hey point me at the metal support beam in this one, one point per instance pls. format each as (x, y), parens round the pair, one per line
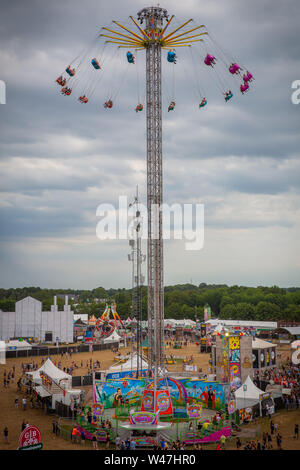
(154, 202)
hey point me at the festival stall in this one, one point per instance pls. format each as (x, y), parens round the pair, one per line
(113, 338)
(249, 396)
(51, 381)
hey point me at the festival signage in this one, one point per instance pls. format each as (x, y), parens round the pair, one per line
(267, 357)
(194, 410)
(46, 380)
(231, 407)
(225, 360)
(30, 439)
(140, 417)
(130, 391)
(262, 358)
(234, 362)
(255, 358)
(207, 313)
(157, 401)
(126, 373)
(273, 356)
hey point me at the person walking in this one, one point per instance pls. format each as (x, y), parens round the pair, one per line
(95, 442)
(132, 444)
(296, 431)
(107, 440)
(118, 443)
(24, 403)
(5, 434)
(54, 426)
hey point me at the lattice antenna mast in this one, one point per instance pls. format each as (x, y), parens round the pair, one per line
(137, 258)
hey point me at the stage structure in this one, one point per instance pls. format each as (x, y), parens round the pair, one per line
(152, 37)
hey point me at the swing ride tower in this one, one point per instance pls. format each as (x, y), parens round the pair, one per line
(152, 38)
(153, 17)
(152, 24)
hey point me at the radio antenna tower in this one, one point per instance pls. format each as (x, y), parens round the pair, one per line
(137, 258)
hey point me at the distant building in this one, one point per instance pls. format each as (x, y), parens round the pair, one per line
(28, 320)
(247, 326)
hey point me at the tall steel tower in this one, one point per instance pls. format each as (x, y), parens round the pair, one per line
(151, 37)
(153, 18)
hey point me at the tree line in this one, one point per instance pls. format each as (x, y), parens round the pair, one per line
(181, 301)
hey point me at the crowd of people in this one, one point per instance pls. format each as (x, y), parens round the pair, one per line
(287, 376)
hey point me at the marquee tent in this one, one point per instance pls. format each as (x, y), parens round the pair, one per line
(16, 344)
(53, 372)
(248, 390)
(130, 364)
(261, 344)
(248, 395)
(112, 338)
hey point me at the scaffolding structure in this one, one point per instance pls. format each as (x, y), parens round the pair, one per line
(137, 258)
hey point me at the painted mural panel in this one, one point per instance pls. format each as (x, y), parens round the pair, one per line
(113, 392)
(209, 394)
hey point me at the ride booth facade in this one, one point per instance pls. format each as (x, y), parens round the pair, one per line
(189, 407)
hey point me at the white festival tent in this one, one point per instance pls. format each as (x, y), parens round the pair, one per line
(62, 391)
(248, 395)
(130, 364)
(113, 338)
(56, 374)
(16, 344)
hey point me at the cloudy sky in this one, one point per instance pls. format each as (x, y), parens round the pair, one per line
(61, 159)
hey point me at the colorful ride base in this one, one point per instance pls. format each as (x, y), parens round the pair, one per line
(214, 436)
(89, 432)
(157, 401)
(145, 421)
(140, 417)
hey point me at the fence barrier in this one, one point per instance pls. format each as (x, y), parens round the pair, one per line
(50, 351)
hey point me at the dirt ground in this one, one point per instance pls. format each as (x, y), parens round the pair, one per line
(12, 417)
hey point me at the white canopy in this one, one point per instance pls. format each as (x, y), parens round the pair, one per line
(218, 329)
(42, 392)
(113, 337)
(52, 371)
(16, 344)
(130, 364)
(251, 392)
(261, 344)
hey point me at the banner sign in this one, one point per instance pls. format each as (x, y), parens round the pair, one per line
(30, 439)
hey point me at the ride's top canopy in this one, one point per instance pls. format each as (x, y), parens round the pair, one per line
(130, 364)
(52, 371)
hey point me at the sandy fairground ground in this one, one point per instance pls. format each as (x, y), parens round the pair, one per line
(13, 417)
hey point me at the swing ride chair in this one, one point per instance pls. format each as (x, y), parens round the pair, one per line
(157, 33)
